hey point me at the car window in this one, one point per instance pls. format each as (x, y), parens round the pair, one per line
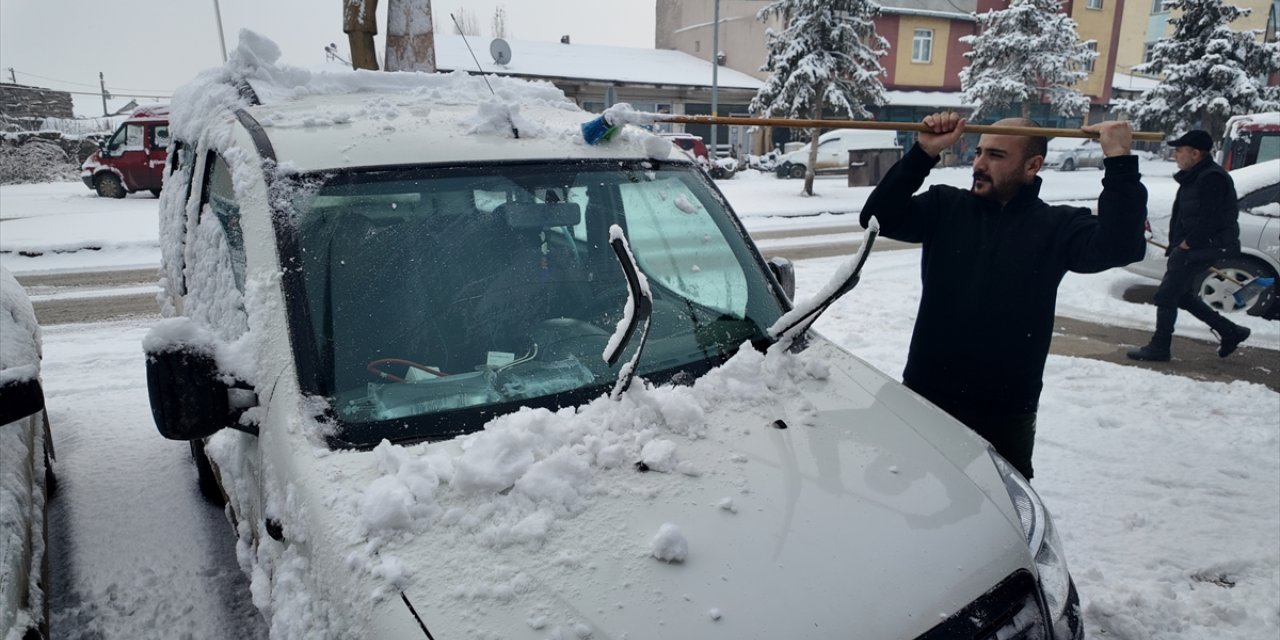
(438, 295)
(1268, 148)
(1263, 202)
(223, 204)
(126, 138)
(682, 248)
(160, 136)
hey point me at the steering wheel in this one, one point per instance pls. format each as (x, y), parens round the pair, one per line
(373, 368)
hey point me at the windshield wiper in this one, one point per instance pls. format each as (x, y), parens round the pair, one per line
(639, 308)
(799, 319)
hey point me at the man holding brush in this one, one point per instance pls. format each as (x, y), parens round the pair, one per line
(992, 258)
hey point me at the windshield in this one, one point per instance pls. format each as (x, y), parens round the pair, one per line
(440, 297)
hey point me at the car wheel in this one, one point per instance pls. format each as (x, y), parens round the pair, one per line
(1218, 289)
(155, 192)
(108, 186)
(206, 477)
(1069, 165)
(796, 171)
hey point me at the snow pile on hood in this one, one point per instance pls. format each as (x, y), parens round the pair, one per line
(19, 333)
(516, 484)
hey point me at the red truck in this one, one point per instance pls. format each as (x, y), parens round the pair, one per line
(133, 158)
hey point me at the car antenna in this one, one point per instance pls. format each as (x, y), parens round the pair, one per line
(514, 130)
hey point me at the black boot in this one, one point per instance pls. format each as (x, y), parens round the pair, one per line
(1158, 349)
(1155, 351)
(1231, 338)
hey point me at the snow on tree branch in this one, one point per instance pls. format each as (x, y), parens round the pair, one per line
(1026, 54)
(1210, 72)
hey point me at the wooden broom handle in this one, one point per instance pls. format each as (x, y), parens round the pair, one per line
(1000, 130)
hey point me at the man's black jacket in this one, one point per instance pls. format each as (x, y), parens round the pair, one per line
(1205, 213)
(991, 275)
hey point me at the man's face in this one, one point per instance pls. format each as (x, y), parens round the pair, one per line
(1187, 157)
(1000, 168)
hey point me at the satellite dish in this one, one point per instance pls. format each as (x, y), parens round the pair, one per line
(500, 50)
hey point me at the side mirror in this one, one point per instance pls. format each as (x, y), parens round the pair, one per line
(785, 272)
(20, 399)
(189, 400)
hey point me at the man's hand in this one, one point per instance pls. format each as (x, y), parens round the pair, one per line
(946, 128)
(1115, 136)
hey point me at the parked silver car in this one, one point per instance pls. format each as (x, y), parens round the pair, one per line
(1069, 154)
(26, 476)
(1258, 193)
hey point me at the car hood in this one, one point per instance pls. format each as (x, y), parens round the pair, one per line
(871, 513)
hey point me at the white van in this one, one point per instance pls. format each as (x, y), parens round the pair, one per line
(833, 151)
(458, 374)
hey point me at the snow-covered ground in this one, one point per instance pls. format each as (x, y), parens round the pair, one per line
(1165, 489)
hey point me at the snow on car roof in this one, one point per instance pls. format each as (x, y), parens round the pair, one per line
(326, 118)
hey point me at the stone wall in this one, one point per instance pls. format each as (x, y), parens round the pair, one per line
(20, 102)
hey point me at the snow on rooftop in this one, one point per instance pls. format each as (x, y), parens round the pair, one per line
(589, 62)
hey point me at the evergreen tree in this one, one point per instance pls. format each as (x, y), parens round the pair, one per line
(827, 56)
(1025, 54)
(1210, 72)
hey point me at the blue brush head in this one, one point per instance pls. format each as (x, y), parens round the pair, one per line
(597, 129)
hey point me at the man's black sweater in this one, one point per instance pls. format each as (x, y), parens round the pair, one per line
(990, 277)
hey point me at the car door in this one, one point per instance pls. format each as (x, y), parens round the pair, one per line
(1091, 154)
(157, 152)
(1260, 221)
(832, 154)
(126, 151)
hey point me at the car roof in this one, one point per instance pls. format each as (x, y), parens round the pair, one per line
(331, 118)
(320, 132)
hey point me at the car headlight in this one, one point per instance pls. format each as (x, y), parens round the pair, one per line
(1042, 539)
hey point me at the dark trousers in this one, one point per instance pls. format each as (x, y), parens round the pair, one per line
(1177, 291)
(1012, 436)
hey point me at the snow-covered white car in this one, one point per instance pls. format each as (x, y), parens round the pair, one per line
(1258, 198)
(461, 375)
(26, 471)
(1069, 154)
(833, 151)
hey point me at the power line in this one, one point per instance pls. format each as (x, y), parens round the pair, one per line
(81, 84)
(91, 93)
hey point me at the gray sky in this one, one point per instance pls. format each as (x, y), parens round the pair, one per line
(150, 47)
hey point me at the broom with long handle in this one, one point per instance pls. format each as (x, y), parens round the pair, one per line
(601, 128)
(1000, 130)
(1244, 290)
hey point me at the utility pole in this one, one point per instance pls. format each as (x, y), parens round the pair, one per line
(715, 77)
(222, 41)
(102, 81)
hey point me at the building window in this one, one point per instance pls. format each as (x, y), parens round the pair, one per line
(1157, 6)
(922, 46)
(1093, 4)
(1148, 51)
(1092, 46)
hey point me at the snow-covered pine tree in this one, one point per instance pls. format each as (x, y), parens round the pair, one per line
(1210, 72)
(826, 56)
(1025, 54)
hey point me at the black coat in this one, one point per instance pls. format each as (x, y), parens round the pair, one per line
(991, 276)
(1205, 212)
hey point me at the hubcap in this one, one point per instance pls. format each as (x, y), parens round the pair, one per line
(1219, 293)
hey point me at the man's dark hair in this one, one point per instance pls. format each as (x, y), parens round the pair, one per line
(1036, 145)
